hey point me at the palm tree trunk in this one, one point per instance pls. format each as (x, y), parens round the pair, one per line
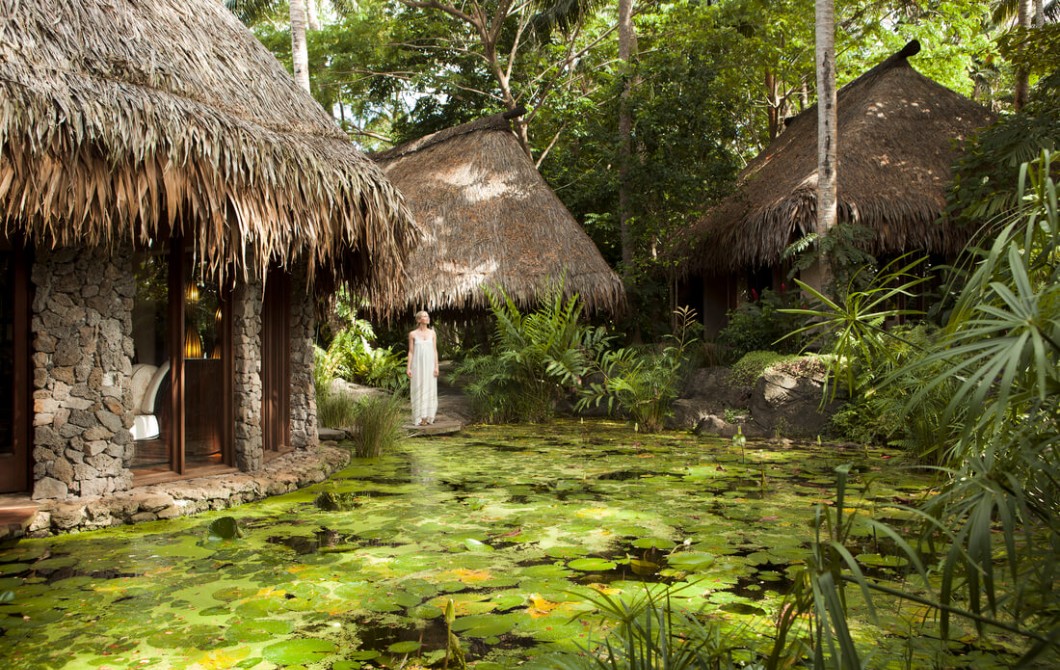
(627, 43)
(826, 133)
(299, 51)
(1025, 11)
(312, 17)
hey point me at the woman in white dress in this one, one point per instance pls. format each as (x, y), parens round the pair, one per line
(423, 371)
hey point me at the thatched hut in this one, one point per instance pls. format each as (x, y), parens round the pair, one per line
(898, 136)
(490, 220)
(169, 200)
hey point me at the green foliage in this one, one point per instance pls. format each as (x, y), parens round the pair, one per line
(843, 249)
(1002, 340)
(761, 325)
(751, 366)
(994, 525)
(536, 358)
(379, 425)
(644, 384)
(851, 328)
(351, 356)
(651, 633)
(881, 412)
(990, 162)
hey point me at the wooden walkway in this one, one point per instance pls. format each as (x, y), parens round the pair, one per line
(16, 513)
(442, 425)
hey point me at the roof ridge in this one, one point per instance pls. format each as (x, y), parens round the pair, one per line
(499, 121)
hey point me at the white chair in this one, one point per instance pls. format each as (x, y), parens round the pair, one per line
(145, 384)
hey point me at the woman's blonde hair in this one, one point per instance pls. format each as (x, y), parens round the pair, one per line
(420, 313)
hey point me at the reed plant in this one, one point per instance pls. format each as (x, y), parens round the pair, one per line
(379, 425)
(651, 633)
(335, 409)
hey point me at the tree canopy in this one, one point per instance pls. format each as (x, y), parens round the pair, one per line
(710, 83)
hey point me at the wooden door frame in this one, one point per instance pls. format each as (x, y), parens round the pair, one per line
(176, 439)
(276, 361)
(21, 458)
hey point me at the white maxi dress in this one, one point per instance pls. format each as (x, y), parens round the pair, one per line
(424, 391)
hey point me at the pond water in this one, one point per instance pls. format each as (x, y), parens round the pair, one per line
(512, 523)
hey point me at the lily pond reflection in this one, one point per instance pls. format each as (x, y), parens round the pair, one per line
(509, 522)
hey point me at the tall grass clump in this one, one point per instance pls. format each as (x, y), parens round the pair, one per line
(378, 425)
(334, 409)
(652, 633)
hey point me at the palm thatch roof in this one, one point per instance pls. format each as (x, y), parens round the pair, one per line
(491, 220)
(897, 134)
(133, 120)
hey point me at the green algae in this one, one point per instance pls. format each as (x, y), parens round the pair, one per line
(511, 523)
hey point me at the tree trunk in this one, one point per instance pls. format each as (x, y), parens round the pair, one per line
(299, 51)
(826, 134)
(312, 17)
(1019, 94)
(627, 44)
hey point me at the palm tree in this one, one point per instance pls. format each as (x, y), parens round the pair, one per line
(817, 276)
(299, 50)
(627, 45)
(252, 11)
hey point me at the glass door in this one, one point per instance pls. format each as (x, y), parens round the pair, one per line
(205, 354)
(181, 382)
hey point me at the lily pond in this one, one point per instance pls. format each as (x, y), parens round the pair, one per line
(514, 524)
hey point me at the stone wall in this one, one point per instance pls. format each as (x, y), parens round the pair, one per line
(303, 393)
(82, 368)
(246, 349)
(83, 347)
(187, 496)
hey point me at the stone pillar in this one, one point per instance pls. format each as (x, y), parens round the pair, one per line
(303, 393)
(246, 349)
(82, 365)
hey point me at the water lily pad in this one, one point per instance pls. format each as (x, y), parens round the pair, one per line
(878, 561)
(654, 543)
(13, 568)
(690, 560)
(566, 552)
(258, 630)
(406, 647)
(485, 626)
(299, 650)
(592, 564)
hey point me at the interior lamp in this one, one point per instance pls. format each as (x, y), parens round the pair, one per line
(192, 343)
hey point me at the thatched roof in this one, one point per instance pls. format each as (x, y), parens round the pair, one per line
(129, 120)
(897, 131)
(491, 220)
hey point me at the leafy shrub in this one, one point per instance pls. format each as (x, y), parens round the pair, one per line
(536, 358)
(761, 325)
(644, 384)
(992, 528)
(881, 413)
(351, 356)
(379, 423)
